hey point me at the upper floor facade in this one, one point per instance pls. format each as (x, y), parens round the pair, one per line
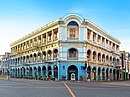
(68, 38)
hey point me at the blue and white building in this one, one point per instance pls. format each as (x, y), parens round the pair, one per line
(71, 47)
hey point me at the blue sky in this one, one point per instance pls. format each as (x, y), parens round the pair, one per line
(20, 17)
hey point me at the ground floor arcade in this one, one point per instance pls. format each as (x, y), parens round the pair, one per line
(67, 71)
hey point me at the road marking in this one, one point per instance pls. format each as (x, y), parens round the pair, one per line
(70, 91)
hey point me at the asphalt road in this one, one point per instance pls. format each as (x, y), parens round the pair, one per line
(33, 88)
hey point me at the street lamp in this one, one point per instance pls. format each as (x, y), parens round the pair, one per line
(8, 68)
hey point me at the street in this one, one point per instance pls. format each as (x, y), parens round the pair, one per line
(36, 88)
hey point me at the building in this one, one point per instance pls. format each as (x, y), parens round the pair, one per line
(4, 63)
(125, 62)
(70, 47)
(1, 66)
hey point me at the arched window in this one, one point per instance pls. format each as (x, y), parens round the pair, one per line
(72, 30)
(72, 53)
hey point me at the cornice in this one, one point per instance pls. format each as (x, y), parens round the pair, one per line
(100, 30)
(43, 28)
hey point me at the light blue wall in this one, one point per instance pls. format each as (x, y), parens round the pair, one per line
(63, 33)
(65, 71)
(82, 34)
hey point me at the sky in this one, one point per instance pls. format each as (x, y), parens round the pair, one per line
(20, 17)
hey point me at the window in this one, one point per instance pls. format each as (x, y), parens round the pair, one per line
(72, 53)
(72, 30)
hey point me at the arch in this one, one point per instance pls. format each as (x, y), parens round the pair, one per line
(35, 71)
(94, 56)
(89, 72)
(99, 73)
(55, 71)
(55, 53)
(94, 73)
(72, 23)
(44, 56)
(44, 71)
(114, 61)
(72, 69)
(107, 74)
(27, 70)
(35, 57)
(118, 61)
(110, 74)
(18, 60)
(39, 71)
(114, 74)
(27, 58)
(103, 73)
(76, 17)
(118, 74)
(72, 54)
(18, 71)
(24, 59)
(111, 60)
(39, 56)
(99, 57)
(49, 54)
(89, 54)
(49, 71)
(107, 59)
(23, 71)
(30, 58)
(30, 73)
(72, 30)
(103, 58)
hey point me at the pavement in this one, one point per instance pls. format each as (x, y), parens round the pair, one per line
(38, 88)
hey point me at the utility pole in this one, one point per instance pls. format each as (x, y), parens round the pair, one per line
(8, 69)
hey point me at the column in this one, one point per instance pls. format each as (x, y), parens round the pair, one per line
(52, 57)
(91, 36)
(52, 71)
(105, 78)
(105, 42)
(96, 73)
(101, 57)
(96, 38)
(101, 74)
(52, 37)
(41, 39)
(41, 56)
(91, 55)
(101, 40)
(96, 57)
(108, 44)
(86, 34)
(46, 38)
(91, 74)
(59, 33)
(112, 74)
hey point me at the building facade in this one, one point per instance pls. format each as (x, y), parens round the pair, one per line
(70, 47)
(4, 63)
(125, 68)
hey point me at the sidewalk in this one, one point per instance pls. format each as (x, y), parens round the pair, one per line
(116, 83)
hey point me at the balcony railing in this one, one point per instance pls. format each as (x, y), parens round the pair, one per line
(72, 58)
(72, 38)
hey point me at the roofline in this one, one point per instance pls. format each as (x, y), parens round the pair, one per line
(115, 39)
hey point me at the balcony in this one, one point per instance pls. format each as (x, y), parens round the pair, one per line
(72, 58)
(36, 44)
(89, 40)
(72, 38)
